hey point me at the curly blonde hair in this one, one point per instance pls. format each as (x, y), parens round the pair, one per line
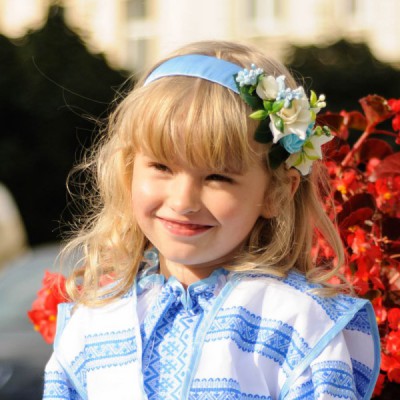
(218, 134)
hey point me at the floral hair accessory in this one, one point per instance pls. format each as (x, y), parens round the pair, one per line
(287, 118)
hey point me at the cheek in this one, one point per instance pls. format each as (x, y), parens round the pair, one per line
(143, 197)
(237, 211)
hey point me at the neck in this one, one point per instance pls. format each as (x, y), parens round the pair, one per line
(186, 274)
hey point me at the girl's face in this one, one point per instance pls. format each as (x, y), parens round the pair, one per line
(196, 218)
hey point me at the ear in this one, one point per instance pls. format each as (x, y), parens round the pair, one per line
(294, 177)
(270, 210)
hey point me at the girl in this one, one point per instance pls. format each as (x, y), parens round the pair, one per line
(206, 212)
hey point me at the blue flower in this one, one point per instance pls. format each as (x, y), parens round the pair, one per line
(249, 77)
(288, 94)
(292, 143)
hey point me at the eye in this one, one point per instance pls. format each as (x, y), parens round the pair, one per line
(159, 167)
(219, 178)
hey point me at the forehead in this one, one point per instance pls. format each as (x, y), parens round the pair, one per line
(194, 121)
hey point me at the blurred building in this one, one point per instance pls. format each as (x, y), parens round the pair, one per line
(134, 33)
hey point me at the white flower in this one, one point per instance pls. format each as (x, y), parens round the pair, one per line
(267, 88)
(296, 118)
(311, 151)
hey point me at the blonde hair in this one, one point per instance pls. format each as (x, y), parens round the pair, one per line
(214, 124)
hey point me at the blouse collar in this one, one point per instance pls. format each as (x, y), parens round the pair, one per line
(197, 293)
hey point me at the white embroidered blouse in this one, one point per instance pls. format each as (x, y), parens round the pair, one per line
(230, 336)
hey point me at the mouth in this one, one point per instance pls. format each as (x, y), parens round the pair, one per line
(183, 228)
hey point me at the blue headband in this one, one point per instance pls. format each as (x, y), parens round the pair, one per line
(198, 66)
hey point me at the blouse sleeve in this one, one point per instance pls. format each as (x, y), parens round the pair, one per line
(56, 383)
(347, 366)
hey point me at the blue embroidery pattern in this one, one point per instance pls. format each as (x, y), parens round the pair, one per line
(220, 389)
(362, 376)
(334, 378)
(167, 355)
(360, 322)
(329, 377)
(273, 339)
(105, 350)
(168, 332)
(334, 307)
(303, 392)
(56, 387)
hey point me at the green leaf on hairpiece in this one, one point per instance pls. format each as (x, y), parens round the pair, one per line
(263, 132)
(326, 130)
(277, 155)
(308, 145)
(252, 100)
(260, 114)
(267, 105)
(312, 158)
(299, 160)
(313, 98)
(277, 106)
(279, 124)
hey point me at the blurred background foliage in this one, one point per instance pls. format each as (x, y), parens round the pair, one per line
(345, 72)
(52, 91)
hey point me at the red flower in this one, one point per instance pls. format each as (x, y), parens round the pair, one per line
(391, 365)
(43, 313)
(379, 385)
(394, 318)
(395, 107)
(393, 344)
(380, 310)
(347, 182)
(394, 104)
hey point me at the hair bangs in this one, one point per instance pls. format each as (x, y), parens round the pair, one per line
(196, 122)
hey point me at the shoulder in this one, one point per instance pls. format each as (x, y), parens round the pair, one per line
(294, 298)
(83, 320)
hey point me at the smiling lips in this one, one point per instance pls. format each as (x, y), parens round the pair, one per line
(181, 228)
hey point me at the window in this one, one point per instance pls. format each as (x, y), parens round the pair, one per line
(137, 53)
(137, 9)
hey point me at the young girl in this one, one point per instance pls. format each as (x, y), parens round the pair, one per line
(206, 210)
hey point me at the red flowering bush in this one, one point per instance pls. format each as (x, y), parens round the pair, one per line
(43, 313)
(364, 171)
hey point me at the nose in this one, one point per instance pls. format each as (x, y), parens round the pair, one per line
(184, 195)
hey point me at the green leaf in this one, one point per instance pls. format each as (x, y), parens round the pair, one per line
(263, 133)
(268, 105)
(277, 155)
(326, 130)
(260, 114)
(308, 145)
(318, 131)
(277, 106)
(252, 100)
(299, 160)
(279, 124)
(312, 158)
(313, 98)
